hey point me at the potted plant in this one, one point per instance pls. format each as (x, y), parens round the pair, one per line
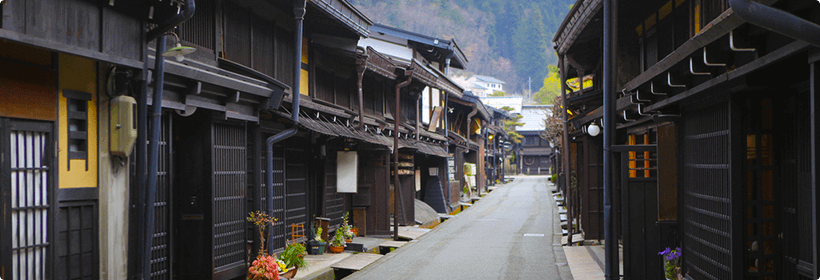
(317, 244)
(345, 228)
(265, 267)
(337, 244)
(671, 263)
(293, 258)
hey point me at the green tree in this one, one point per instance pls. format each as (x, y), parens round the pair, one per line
(551, 87)
(511, 124)
(498, 93)
(530, 41)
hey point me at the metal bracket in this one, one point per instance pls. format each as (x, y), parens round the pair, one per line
(640, 110)
(707, 63)
(735, 48)
(652, 89)
(638, 96)
(626, 118)
(669, 81)
(692, 69)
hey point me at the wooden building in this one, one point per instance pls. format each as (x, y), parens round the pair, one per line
(435, 178)
(534, 152)
(716, 132)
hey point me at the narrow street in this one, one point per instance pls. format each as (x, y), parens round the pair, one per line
(508, 234)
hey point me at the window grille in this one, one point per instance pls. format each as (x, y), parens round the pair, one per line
(30, 184)
(199, 30)
(707, 192)
(77, 123)
(229, 174)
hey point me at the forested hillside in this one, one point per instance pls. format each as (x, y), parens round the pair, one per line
(508, 39)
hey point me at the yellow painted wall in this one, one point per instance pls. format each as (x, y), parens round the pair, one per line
(76, 73)
(304, 82)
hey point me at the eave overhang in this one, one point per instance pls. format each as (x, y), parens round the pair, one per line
(344, 12)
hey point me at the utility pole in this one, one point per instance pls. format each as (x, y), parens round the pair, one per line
(529, 84)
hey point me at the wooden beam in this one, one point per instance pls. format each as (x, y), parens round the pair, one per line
(64, 48)
(741, 71)
(634, 148)
(719, 27)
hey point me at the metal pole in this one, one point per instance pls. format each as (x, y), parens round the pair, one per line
(815, 156)
(153, 154)
(565, 153)
(612, 270)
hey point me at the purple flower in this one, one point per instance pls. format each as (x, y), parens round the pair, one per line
(673, 255)
(664, 252)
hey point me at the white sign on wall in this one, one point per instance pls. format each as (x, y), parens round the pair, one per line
(347, 171)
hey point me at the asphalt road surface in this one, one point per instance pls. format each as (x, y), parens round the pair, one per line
(511, 233)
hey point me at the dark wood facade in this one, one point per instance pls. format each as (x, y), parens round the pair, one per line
(714, 158)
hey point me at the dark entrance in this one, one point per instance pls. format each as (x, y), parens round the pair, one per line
(211, 160)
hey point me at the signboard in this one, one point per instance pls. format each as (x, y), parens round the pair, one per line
(347, 171)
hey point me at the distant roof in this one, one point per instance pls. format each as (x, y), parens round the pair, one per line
(446, 47)
(489, 79)
(533, 117)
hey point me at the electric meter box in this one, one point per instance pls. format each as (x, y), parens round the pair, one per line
(123, 125)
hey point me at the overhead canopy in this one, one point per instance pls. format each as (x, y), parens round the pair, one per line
(195, 85)
(378, 63)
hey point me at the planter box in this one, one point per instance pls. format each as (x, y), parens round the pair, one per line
(316, 248)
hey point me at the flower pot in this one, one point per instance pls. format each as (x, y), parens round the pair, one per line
(355, 231)
(290, 273)
(316, 248)
(337, 249)
(350, 240)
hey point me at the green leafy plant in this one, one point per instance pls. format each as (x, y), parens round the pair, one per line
(294, 255)
(345, 228)
(317, 235)
(338, 238)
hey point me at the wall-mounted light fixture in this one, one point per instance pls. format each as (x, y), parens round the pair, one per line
(179, 51)
(593, 129)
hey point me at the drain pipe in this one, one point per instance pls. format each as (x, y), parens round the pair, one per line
(299, 11)
(777, 20)
(447, 148)
(156, 118)
(568, 195)
(396, 119)
(612, 271)
(466, 151)
(360, 69)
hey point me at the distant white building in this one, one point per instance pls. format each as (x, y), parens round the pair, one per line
(499, 102)
(484, 86)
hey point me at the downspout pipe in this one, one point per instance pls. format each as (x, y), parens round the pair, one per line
(777, 20)
(396, 187)
(469, 123)
(612, 270)
(156, 118)
(360, 69)
(565, 153)
(187, 13)
(447, 148)
(418, 117)
(299, 9)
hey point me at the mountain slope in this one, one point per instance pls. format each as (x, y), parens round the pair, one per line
(508, 39)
